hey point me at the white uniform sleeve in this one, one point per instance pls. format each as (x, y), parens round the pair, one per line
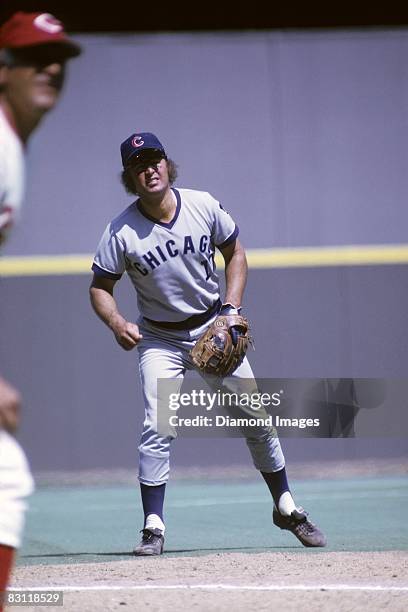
(110, 260)
(11, 187)
(225, 230)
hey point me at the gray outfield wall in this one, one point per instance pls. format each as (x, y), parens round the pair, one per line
(83, 403)
(302, 137)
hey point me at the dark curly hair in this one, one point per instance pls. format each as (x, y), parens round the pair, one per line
(127, 180)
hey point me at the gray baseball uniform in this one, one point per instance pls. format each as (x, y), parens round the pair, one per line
(171, 266)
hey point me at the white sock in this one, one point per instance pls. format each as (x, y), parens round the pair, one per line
(286, 504)
(153, 521)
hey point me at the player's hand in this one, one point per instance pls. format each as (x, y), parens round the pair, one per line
(10, 403)
(127, 334)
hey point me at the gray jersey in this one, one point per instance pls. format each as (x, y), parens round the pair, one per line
(171, 265)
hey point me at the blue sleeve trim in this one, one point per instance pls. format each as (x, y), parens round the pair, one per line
(230, 239)
(100, 272)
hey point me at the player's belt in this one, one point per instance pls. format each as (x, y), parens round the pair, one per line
(190, 323)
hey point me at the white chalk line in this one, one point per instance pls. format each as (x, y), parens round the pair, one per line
(216, 587)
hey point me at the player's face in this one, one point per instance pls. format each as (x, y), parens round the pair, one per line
(150, 174)
(33, 80)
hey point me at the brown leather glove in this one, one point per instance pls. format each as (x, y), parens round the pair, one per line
(223, 346)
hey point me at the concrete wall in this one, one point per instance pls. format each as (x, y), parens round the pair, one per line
(301, 136)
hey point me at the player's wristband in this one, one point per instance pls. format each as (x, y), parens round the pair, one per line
(229, 308)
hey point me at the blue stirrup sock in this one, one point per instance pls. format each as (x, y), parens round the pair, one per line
(153, 500)
(278, 486)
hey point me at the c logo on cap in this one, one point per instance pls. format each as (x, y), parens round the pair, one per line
(48, 23)
(137, 141)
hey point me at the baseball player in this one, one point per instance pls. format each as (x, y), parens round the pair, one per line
(33, 52)
(165, 241)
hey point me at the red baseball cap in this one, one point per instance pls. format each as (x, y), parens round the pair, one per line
(33, 29)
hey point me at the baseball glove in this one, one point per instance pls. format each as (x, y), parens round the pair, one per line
(223, 346)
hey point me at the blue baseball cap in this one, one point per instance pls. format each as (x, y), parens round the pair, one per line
(136, 143)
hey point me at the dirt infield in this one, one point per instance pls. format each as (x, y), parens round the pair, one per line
(310, 581)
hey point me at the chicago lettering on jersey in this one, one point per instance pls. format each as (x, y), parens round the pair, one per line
(161, 253)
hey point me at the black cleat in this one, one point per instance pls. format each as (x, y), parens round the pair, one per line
(151, 544)
(298, 523)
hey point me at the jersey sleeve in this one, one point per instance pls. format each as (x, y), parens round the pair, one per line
(109, 260)
(11, 190)
(225, 229)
